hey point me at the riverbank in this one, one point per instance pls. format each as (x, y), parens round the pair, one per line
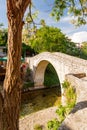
(36, 100)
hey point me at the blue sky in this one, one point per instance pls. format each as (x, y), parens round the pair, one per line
(44, 7)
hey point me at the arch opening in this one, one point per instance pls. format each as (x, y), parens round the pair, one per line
(46, 76)
(50, 77)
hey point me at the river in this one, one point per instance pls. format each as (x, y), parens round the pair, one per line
(33, 101)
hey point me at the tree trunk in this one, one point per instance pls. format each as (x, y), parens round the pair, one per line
(1, 112)
(12, 80)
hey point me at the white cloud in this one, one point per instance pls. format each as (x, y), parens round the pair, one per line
(79, 37)
(65, 19)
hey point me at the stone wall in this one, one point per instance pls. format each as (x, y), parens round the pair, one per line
(77, 119)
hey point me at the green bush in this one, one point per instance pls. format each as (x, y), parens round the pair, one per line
(65, 84)
(61, 111)
(38, 127)
(53, 124)
(69, 92)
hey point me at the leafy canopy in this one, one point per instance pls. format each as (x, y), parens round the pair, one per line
(53, 40)
(3, 36)
(76, 8)
(84, 48)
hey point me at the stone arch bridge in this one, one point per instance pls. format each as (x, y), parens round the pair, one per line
(63, 64)
(75, 70)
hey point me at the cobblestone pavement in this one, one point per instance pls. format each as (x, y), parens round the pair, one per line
(40, 117)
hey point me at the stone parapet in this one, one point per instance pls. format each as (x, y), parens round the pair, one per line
(77, 119)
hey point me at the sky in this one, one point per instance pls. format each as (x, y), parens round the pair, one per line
(44, 7)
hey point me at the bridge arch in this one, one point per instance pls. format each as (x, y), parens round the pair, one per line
(63, 64)
(40, 73)
(38, 66)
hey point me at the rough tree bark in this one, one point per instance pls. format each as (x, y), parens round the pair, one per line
(12, 83)
(1, 112)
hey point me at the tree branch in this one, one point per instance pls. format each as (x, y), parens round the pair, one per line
(81, 7)
(30, 14)
(24, 5)
(16, 7)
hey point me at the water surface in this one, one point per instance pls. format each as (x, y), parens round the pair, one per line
(39, 100)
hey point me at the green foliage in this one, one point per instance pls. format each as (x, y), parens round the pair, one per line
(30, 17)
(53, 124)
(3, 37)
(37, 127)
(53, 40)
(42, 22)
(65, 84)
(84, 49)
(26, 49)
(1, 24)
(69, 93)
(78, 9)
(28, 85)
(63, 111)
(50, 78)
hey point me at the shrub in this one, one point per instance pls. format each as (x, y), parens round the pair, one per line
(65, 84)
(53, 124)
(61, 111)
(38, 127)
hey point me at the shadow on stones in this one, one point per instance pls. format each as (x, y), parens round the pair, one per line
(79, 106)
(64, 127)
